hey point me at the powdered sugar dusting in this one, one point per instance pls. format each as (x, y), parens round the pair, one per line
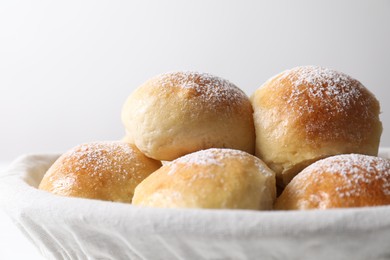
(355, 169)
(330, 105)
(98, 158)
(333, 89)
(211, 156)
(210, 88)
(101, 155)
(215, 156)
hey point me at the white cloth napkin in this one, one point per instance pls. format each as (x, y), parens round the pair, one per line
(73, 228)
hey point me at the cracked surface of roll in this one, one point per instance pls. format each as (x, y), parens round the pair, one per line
(99, 170)
(340, 181)
(308, 113)
(177, 113)
(212, 178)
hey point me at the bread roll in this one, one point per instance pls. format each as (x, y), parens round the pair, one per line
(99, 170)
(308, 113)
(212, 178)
(177, 113)
(341, 181)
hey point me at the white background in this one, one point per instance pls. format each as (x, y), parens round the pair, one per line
(66, 67)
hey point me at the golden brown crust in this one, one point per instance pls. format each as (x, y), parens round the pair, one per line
(213, 178)
(340, 181)
(100, 170)
(308, 113)
(177, 113)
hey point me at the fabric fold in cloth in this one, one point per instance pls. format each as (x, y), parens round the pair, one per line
(74, 228)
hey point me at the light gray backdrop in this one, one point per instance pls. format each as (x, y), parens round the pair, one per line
(66, 67)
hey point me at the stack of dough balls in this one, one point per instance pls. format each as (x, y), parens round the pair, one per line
(170, 116)
(314, 132)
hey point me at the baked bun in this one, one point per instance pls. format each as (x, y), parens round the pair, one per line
(213, 178)
(99, 170)
(341, 181)
(308, 113)
(177, 113)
